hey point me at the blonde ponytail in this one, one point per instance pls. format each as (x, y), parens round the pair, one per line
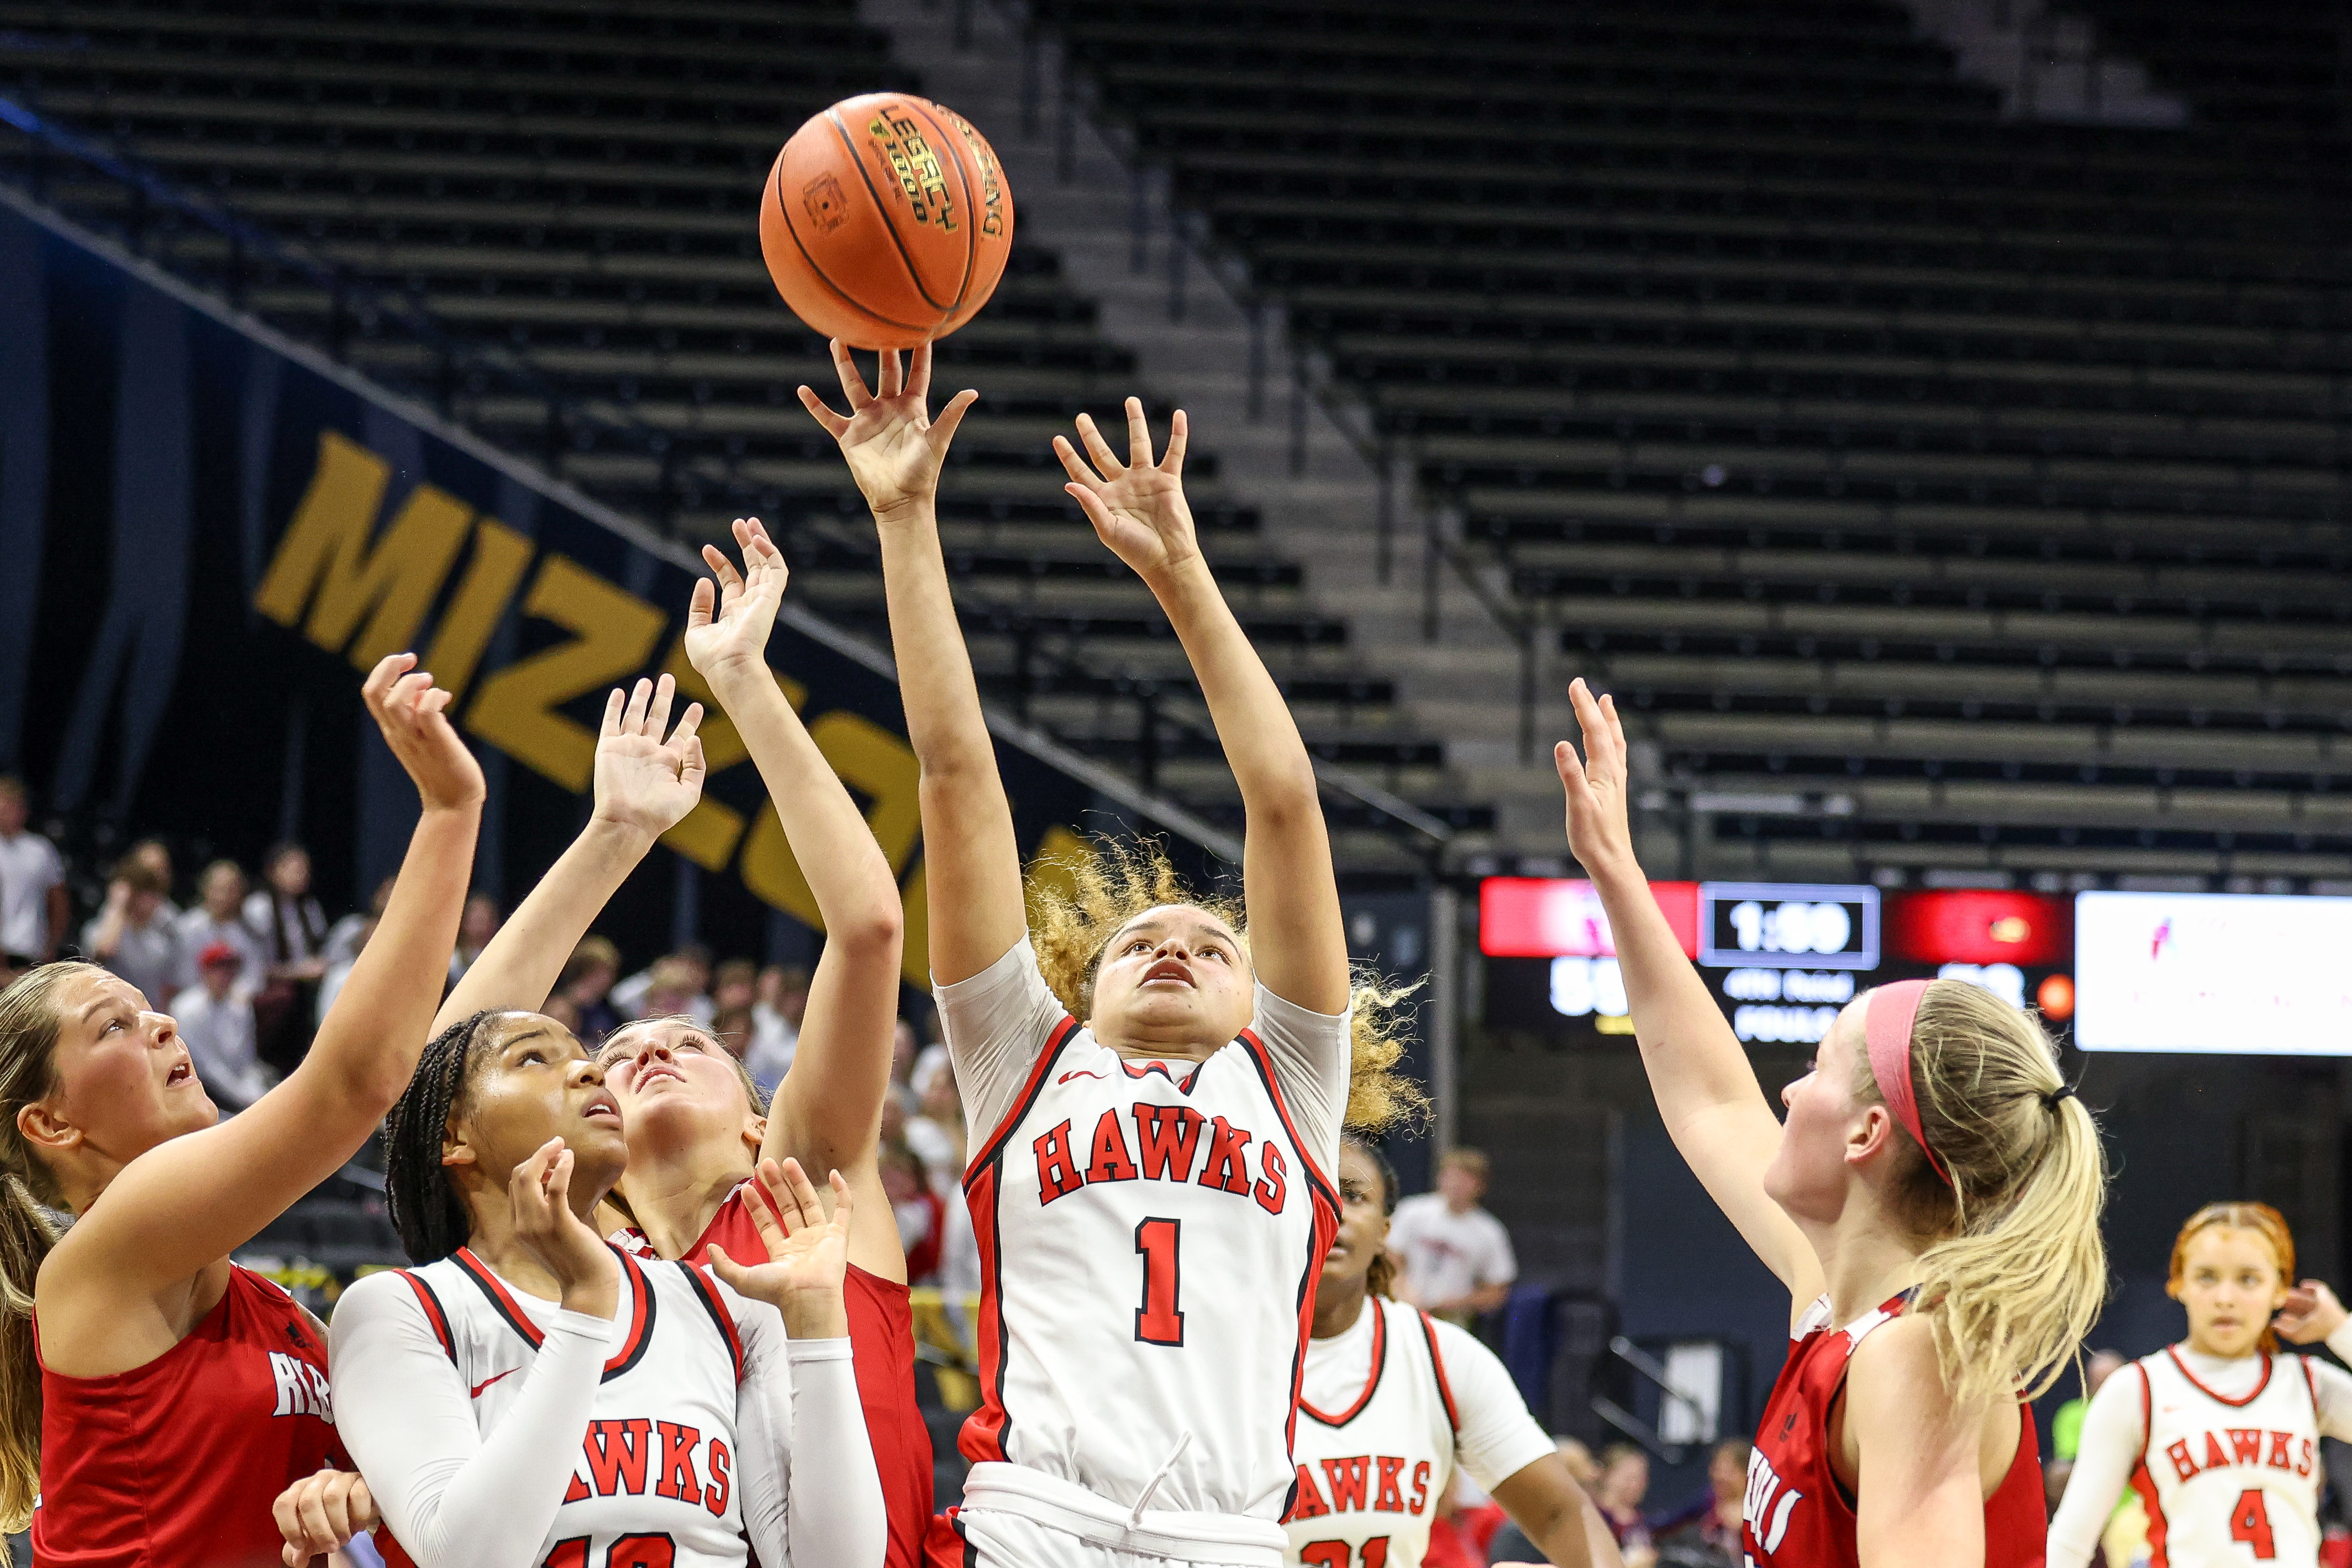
(28, 1040)
(2017, 1272)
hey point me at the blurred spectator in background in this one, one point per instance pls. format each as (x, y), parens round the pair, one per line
(132, 936)
(476, 924)
(216, 1019)
(156, 856)
(34, 914)
(733, 1027)
(344, 937)
(780, 999)
(922, 1217)
(674, 990)
(2066, 1426)
(1579, 1461)
(566, 1012)
(1704, 1533)
(1458, 1261)
(331, 985)
(292, 929)
(217, 918)
(734, 983)
(692, 961)
(587, 983)
(936, 1131)
(1625, 1482)
(905, 1046)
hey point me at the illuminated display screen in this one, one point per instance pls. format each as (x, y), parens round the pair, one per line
(1559, 917)
(2239, 973)
(1820, 926)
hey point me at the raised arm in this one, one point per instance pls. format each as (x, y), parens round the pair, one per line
(829, 1106)
(1706, 1091)
(1297, 941)
(972, 859)
(644, 787)
(189, 1202)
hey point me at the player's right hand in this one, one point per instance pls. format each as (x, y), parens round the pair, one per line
(320, 1513)
(727, 628)
(587, 1272)
(2312, 1314)
(1599, 830)
(643, 781)
(894, 448)
(413, 714)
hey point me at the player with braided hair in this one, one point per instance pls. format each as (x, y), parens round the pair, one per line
(1393, 1400)
(142, 1318)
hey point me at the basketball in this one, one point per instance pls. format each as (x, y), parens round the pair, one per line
(886, 221)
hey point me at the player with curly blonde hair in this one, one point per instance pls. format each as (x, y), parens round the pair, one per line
(1157, 1101)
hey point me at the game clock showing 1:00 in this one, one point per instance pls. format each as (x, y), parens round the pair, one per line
(1833, 926)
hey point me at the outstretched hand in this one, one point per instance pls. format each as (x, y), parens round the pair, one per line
(1599, 830)
(808, 1254)
(727, 628)
(643, 781)
(894, 446)
(1138, 507)
(413, 714)
(587, 1271)
(2312, 1314)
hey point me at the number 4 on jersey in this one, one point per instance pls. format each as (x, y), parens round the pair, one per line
(2250, 1523)
(1334, 1554)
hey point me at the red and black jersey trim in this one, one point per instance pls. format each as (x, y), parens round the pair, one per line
(1030, 1089)
(1372, 1382)
(2269, 1364)
(1323, 1204)
(1437, 1365)
(1262, 1060)
(641, 1300)
(707, 1290)
(433, 1314)
(1145, 1069)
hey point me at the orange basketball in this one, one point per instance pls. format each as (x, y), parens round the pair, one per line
(886, 221)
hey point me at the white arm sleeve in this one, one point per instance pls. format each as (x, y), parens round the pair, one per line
(1313, 1055)
(1497, 1437)
(812, 1495)
(2113, 1431)
(2333, 1385)
(454, 1498)
(996, 1022)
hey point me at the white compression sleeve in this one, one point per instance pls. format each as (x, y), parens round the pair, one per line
(2112, 1431)
(812, 1495)
(452, 1498)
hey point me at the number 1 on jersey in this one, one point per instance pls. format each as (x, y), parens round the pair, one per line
(1159, 1321)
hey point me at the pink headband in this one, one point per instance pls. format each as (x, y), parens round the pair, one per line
(1887, 1026)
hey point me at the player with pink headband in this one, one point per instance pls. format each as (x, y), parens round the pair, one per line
(1932, 1204)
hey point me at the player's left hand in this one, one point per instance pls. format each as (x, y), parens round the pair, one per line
(320, 1513)
(808, 1254)
(2312, 1314)
(732, 634)
(644, 783)
(1138, 507)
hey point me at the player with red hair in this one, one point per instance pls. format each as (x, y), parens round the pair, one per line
(2219, 1433)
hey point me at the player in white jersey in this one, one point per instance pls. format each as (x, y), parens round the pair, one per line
(532, 1395)
(1158, 1101)
(2219, 1433)
(1393, 1400)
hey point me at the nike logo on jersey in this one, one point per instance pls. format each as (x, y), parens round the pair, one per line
(1349, 1481)
(301, 1388)
(1169, 1142)
(1768, 1503)
(624, 1455)
(2245, 1446)
(491, 1379)
(1081, 1072)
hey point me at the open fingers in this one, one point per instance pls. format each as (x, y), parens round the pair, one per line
(843, 1204)
(889, 374)
(918, 370)
(614, 699)
(1139, 435)
(691, 769)
(687, 724)
(1092, 505)
(943, 428)
(697, 609)
(1072, 464)
(771, 1230)
(833, 423)
(852, 385)
(721, 568)
(1569, 765)
(657, 716)
(1179, 430)
(1098, 449)
(633, 717)
(1616, 724)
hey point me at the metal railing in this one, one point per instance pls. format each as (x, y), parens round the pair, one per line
(1649, 1369)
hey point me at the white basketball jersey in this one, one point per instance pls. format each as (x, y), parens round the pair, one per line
(1149, 1238)
(1373, 1473)
(2229, 1482)
(656, 1482)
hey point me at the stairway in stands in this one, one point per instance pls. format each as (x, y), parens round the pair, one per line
(573, 184)
(1940, 494)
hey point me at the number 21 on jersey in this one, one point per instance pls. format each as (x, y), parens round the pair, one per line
(1374, 1554)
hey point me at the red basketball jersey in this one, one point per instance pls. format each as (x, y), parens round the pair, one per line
(882, 1345)
(1799, 1516)
(178, 1461)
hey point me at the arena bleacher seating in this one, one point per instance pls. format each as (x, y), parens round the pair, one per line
(573, 185)
(1936, 492)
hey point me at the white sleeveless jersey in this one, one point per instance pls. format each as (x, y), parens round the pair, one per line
(1150, 1237)
(655, 1485)
(2229, 1482)
(1380, 1428)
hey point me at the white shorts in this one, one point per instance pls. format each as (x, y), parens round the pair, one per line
(1015, 1518)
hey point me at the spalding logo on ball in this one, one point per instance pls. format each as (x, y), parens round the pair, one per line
(886, 221)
